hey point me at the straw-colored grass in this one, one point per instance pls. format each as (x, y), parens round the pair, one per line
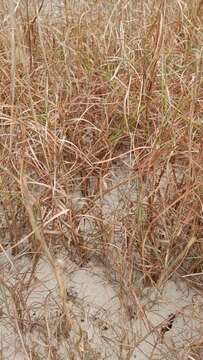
(87, 86)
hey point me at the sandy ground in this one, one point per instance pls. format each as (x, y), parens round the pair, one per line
(106, 330)
(160, 325)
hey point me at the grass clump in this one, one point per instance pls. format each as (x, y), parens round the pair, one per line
(102, 102)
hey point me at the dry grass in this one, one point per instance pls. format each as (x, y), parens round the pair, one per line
(94, 85)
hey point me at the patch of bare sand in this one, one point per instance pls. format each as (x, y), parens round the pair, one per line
(170, 321)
